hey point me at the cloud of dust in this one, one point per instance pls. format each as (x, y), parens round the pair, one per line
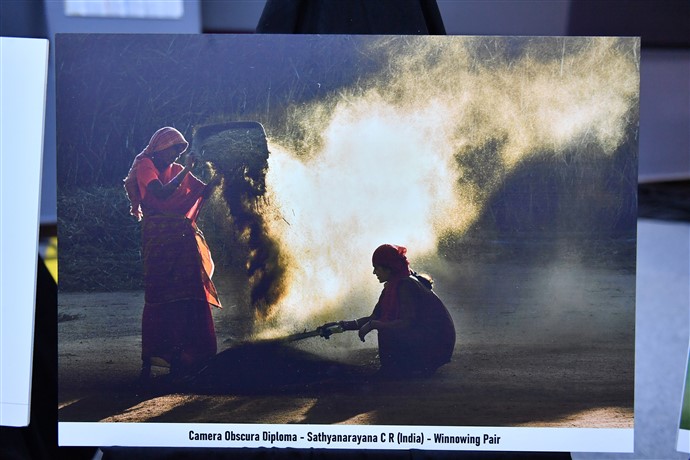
(385, 165)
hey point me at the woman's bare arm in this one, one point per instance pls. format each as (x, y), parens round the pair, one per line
(163, 191)
(407, 314)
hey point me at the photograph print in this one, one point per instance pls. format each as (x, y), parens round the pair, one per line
(346, 233)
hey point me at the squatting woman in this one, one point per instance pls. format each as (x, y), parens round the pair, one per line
(416, 333)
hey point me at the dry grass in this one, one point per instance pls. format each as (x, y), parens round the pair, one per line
(99, 241)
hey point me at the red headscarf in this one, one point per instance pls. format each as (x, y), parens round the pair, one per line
(391, 257)
(162, 139)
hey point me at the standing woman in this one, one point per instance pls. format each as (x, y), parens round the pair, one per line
(415, 331)
(177, 325)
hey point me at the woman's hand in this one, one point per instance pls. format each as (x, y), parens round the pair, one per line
(367, 328)
(215, 181)
(325, 330)
(348, 325)
(189, 161)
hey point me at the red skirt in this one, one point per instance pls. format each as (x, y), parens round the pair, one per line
(177, 323)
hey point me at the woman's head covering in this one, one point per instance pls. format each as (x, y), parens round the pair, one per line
(162, 139)
(392, 257)
(165, 138)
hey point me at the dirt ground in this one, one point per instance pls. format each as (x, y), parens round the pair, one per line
(538, 345)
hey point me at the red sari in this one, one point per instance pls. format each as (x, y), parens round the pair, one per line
(177, 324)
(425, 337)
